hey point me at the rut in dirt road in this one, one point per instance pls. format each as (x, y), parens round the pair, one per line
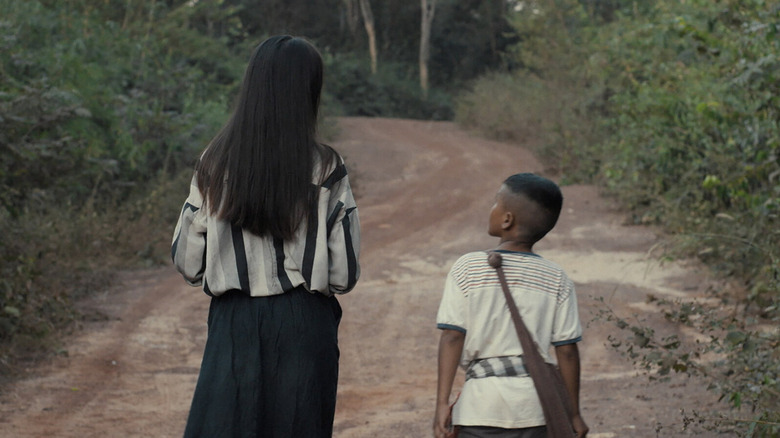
(424, 191)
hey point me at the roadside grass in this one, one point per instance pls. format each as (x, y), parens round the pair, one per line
(53, 257)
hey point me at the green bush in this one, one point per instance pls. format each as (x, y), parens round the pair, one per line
(506, 107)
(89, 107)
(545, 115)
(97, 115)
(694, 140)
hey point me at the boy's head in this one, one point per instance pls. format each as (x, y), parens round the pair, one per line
(527, 206)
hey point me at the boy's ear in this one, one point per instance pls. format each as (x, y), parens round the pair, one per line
(508, 221)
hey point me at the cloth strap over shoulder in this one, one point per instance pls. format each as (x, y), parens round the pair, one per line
(556, 404)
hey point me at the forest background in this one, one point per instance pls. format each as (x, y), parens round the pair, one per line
(671, 106)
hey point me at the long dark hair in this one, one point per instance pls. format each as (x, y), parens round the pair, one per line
(257, 172)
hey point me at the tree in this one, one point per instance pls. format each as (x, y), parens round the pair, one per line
(352, 12)
(428, 8)
(318, 21)
(469, 39)
(368, 22)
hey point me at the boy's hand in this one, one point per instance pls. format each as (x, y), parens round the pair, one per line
(580, 428)
(450, 348)
(442, 423)
(569, 363)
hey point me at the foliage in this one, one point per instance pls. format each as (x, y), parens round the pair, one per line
(673, 107)
(393, 92)
(467, 37)
(505, 107)
(322, 21)
(95, 111)
(695, 137)
(547, 94)
(739, 358)
(55, 256)
(523, 107)
(75, 127)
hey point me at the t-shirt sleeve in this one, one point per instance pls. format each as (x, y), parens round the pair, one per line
(566, 327)
(453, 307)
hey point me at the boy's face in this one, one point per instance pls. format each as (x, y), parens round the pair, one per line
(497, 214)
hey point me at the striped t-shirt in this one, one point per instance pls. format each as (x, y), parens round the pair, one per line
(323, 257)
(474, 304)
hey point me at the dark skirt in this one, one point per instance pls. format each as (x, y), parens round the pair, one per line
(270, 367)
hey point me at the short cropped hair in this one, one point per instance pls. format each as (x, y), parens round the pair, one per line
(545, 194)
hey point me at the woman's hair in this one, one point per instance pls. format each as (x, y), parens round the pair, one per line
(257, 172)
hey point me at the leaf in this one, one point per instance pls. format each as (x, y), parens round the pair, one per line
(654, 356)
(736, 399)
(641, 340)
(13, 311)
(672, 345)
(82, 112)
(735, 337)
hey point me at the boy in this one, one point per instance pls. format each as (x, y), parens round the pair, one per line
(499, 398)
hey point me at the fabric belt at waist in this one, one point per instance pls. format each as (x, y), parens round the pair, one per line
(506, 366)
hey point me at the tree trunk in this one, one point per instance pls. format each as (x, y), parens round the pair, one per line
(428, 8)
(352, 11)
(368, 21)
(491, 15)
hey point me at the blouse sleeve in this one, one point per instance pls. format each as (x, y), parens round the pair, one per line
(343, 227)
(188, 249)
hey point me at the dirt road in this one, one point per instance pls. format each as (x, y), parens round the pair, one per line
(424, 190)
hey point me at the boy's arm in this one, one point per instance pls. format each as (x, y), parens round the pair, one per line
(568, 356)
(450, 349)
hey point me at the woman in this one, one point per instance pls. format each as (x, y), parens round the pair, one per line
(270, 230)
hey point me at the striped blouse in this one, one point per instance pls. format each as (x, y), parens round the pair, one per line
(324, 258)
